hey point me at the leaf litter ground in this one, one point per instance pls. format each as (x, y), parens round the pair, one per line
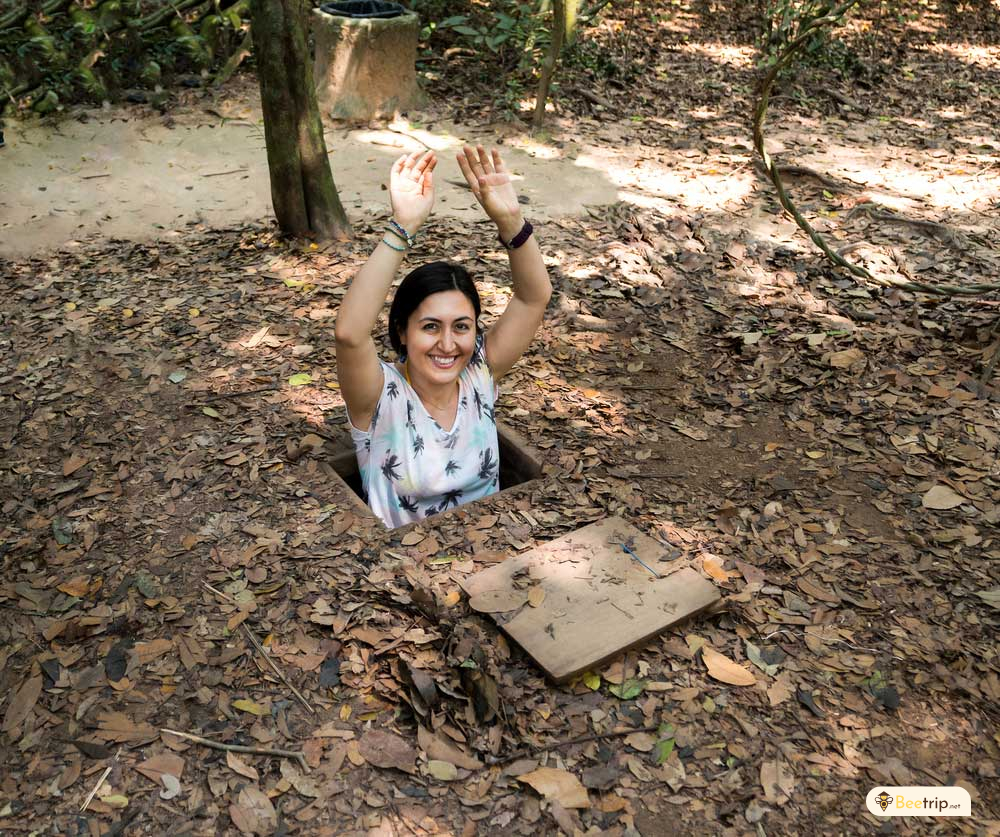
(825, 454)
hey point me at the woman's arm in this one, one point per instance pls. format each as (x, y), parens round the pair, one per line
(513, 332)
(411, 192)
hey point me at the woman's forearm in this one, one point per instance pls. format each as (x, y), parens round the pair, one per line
(366, 295)
(527, 268)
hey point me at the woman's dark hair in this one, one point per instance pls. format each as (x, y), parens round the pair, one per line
(419, 284)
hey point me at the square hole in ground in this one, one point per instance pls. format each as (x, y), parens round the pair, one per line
(520, 466)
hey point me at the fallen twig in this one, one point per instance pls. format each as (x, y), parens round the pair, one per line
(267, 657)
(261, 650)
(219, 593)
(239, 748)
(837, 96)
(222, 395)
(221, 173)
(97, 787)
(582, 739)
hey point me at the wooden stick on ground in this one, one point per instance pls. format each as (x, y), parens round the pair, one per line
(97, 787)
(239, 748)
(582, 739)
(260, 650)
(267, 657)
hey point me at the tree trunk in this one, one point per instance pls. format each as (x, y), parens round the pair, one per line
(549, 66)
(302, 189)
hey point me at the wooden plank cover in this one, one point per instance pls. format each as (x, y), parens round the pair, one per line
(598, 600)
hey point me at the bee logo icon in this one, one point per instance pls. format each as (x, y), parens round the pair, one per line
(883, 800)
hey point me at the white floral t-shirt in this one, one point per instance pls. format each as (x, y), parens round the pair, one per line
(410, 466)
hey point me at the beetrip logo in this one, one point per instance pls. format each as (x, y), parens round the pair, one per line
(919, 802)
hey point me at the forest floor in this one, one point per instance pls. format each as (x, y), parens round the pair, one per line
(826, 451)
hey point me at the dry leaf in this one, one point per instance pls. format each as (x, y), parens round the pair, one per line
(385, 749)
(249, 706)
(641, 741)
(239, 766)
(437, 748)
(253, 812)
(74, 464)
(713, 567)
(443, 770)
(22, 702)
(165, 763)
(78, 586)
(553, 783)
(942, 498)
(536, 595)
(498, 601)
(171, 786)
(725, 670)
(412, 538)
(846, 358)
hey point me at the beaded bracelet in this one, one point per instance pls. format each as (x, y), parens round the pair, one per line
(397, 228)
(392, 246)
(399, 235)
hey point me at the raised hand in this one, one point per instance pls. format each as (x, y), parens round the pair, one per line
(491, 184)
(411, 188)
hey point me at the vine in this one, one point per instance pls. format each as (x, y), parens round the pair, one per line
(805, 35)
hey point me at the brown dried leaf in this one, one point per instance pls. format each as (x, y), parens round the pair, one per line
(164, 763)
(437, 748)
(239, 766)
(498, 601)
(385, 749)
(253, 812)
(21, 704)
(553, 783)
(725, 670)
(942, 498)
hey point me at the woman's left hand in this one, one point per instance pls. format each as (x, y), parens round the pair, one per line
(492, 187)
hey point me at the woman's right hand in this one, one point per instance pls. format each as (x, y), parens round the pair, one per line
(411, 189)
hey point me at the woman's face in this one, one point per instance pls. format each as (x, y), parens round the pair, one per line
(440, 337)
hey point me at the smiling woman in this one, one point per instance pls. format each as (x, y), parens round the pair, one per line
(424, 427)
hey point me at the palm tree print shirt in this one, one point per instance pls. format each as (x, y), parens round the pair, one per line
(410, 466)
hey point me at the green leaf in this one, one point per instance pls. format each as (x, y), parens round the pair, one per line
(628, 690)
(466, 30)
(443, 559)
(753, 655)
(663, 749)
(210, 412)
(62, 530)
(177, 376)
(469, 664)
(592, 681)
(300, 380)
(453, 21)
(147, 585)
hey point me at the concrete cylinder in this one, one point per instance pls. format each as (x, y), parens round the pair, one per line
(365, 67)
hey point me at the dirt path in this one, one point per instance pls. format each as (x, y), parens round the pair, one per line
(124, 173)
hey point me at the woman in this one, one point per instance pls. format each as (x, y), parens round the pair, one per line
(423, 427)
